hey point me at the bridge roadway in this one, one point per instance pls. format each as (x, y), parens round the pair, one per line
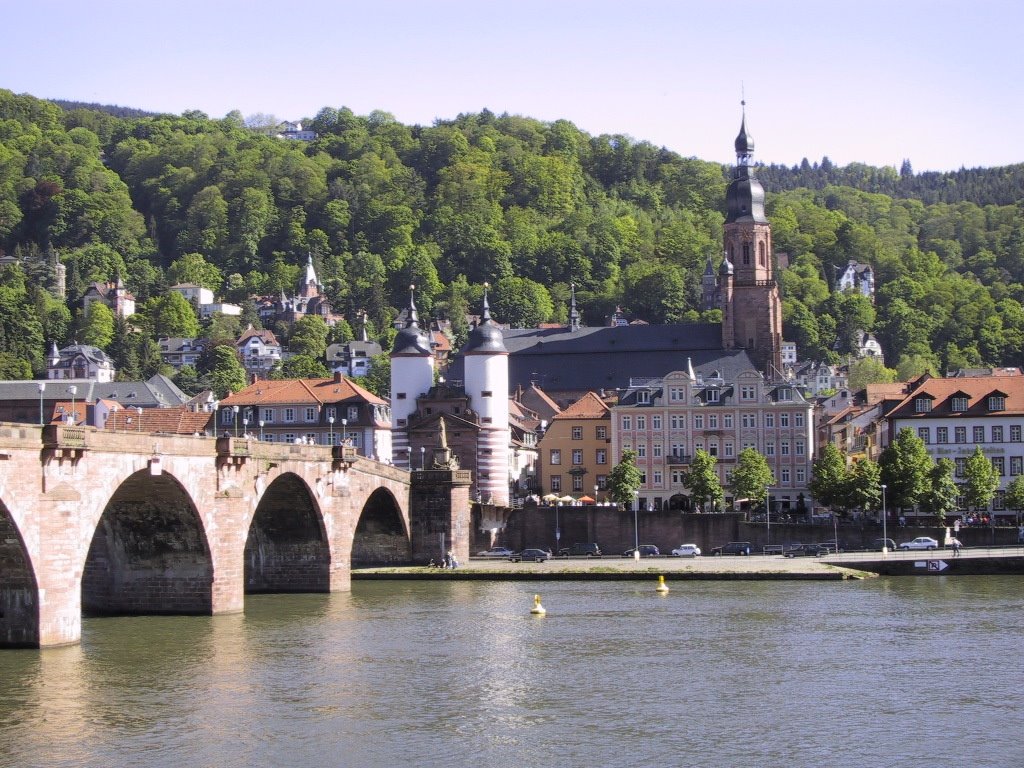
(939, 562)
(128, 523)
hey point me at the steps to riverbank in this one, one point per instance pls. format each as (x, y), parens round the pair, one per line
(752, 568)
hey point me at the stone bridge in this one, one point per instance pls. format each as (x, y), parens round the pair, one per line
(100, 522)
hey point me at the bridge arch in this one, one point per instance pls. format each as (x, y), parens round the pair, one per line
(287, 548)
(149, 553)
(381, 536)
(19, 592)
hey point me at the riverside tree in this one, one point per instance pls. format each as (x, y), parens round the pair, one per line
(752, 476)
(864, 486)
(980, 480)
(829, 477)
(1015, 495)
(906, 468)
(624, 479)
(702, 481)
(943, 493)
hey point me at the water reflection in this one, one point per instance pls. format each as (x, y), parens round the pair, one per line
(882, 672)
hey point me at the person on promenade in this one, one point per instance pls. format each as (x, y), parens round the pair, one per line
(955, 544)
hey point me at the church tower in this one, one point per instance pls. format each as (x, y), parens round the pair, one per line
(751, 309)
(710, 295)
(412, 375)
(486, 384)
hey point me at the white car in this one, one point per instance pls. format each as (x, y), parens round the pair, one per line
(686, 550)
(921, 542)
(496, 552)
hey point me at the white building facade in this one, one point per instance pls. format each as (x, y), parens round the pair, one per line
(955, 416)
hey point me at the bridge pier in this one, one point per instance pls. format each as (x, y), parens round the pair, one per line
(439, 514)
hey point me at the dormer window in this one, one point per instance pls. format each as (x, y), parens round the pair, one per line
(643, 397)
(959, 404)
(711, 395)
(996, 403)
(923, 405)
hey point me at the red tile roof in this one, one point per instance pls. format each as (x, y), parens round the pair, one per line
(590, 406)
(177, 421)
(976, 389)
(301, 391)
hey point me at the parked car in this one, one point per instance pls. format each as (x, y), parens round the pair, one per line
(535, 554)
(806, 550)
(686, 550)
(495, 552)
(921, 542)
(733, 548)
(877, 544)
(646, 550)
(833, 546)
(580, 549)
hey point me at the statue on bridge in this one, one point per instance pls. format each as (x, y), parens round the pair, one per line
(443, 458)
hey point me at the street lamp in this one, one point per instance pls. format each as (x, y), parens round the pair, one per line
(261, 430)
(73, 390)
(330, 423)
(235, 418)
(245, 426)
(423, 459)
(558, 530)
(885, 535)
(138, 411)
(636, 525)
(42, 388)
(768, 515)
(596, 487)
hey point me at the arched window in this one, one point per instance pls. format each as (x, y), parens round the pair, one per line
(746, 253)
(761, 254)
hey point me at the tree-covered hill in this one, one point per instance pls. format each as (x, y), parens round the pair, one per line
(528, 206)
(982, 186)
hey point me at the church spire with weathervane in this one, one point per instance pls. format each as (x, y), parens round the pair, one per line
(751, 308)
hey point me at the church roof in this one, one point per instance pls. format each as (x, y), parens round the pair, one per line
(606, 357)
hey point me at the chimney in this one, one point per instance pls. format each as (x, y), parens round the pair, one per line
(338, 377)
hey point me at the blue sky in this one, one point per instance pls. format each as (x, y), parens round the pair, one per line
(874, 81)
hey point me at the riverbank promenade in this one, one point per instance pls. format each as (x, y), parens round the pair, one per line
(754, 567)
(834, 567)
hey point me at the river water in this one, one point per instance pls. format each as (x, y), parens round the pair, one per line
(884, 672)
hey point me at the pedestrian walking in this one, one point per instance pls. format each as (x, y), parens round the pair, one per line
(955, 544)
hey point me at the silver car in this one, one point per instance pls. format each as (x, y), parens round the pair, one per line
(921, 542)
(686, 550)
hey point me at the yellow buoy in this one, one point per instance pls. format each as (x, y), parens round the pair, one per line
(662, 586)
(537, 609)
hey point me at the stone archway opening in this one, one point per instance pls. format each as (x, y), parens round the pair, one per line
(679, 502)
(381, 537)
(19, 593)
(286, 549)
(149, 553)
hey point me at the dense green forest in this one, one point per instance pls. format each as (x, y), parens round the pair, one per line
(528, 206)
